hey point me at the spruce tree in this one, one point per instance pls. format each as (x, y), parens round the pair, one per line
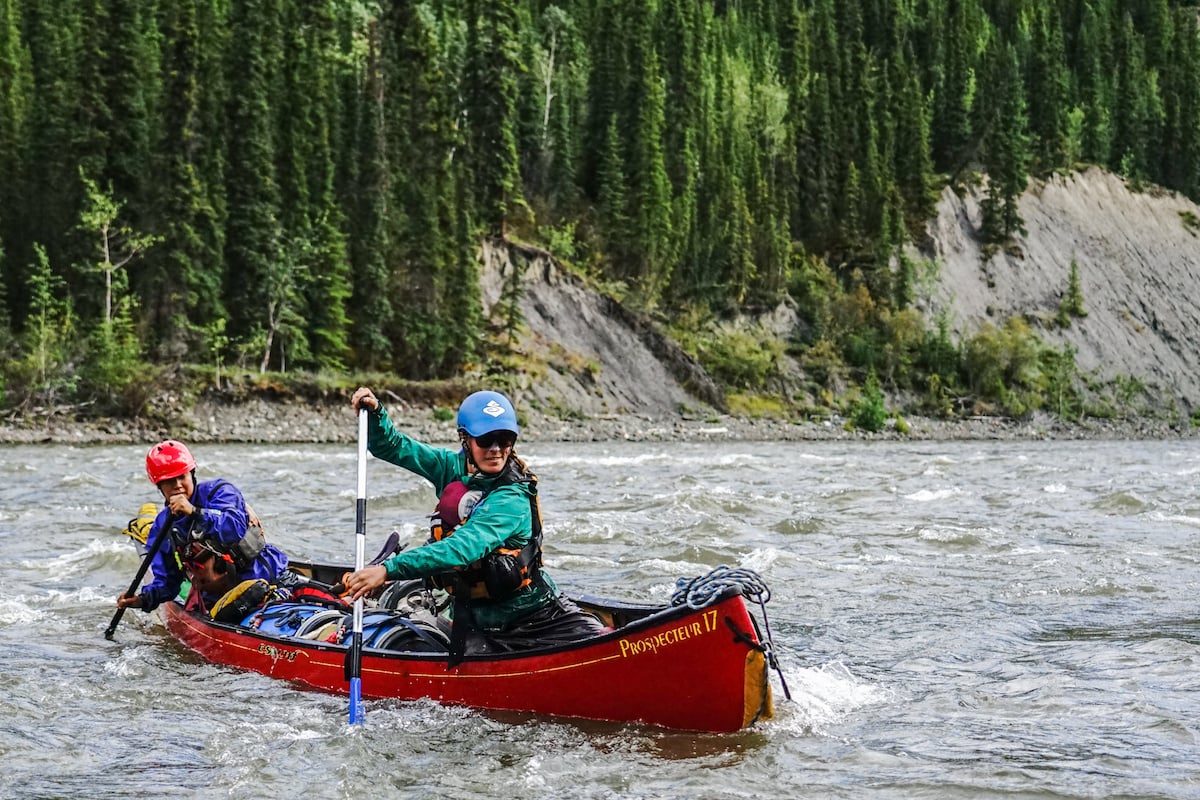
(48, 216)
(954, 87)
(370, 310)
(1180, 152)
(254, 246)
(430, 283)
(118, 84)
(491, 111)
(182, 283)
(1049, 87)
(1138, 108)
(1006, 146)
(911, 151)
(306, 174)
(650, 192)
(16, 100)
(607, 83)
(611, 199)
(1095, 62)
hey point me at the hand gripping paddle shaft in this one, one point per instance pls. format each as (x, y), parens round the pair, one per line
(137, 579)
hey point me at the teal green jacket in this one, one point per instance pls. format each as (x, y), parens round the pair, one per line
(503, 518)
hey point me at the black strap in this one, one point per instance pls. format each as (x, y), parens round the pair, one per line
(464, 622)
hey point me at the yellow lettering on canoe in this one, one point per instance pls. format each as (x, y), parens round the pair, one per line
(680, 633)
(277, 654)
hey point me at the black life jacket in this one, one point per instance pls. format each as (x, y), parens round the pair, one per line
(505, 570)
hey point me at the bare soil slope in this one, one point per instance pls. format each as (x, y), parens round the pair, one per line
(601, 359)
(1138, 262)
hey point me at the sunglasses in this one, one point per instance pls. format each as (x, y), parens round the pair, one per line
(197, 558)
(501, 439)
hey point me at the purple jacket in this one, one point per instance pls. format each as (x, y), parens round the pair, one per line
(222, 519)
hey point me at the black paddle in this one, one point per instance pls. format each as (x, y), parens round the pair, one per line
(137, 579)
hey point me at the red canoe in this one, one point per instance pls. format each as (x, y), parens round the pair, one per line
(701, 669)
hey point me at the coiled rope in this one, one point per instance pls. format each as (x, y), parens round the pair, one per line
(704, 590)
(700, 592)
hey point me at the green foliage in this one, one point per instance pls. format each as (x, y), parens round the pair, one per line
(1061, 379)
(492, 66)
(560, 240)
(42, 374)
(115, 243)
(824, 364)
(320, 173)
(869, 412)
(507, 317)
(216, 342)
(1006, 143)
(1012, 369)
(756, 406)
(938, 358)
(1072, 303)
(1128, 389)
(113, 375)
(740, 360)
(743, 360)
(1190, 221)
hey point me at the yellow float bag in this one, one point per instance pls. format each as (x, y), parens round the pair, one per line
(236, 604)
(138, 528)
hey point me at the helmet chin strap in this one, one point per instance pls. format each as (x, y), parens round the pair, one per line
(464, 440)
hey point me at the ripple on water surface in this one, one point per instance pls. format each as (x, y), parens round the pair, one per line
(952, 620)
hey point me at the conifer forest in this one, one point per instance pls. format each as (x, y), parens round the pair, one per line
(303, 185)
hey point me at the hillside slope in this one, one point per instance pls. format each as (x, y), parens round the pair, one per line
(1138, 260)
(600, 360)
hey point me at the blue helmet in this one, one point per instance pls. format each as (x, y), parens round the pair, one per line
(484, 412)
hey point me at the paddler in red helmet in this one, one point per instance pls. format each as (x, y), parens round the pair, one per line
(215, 540)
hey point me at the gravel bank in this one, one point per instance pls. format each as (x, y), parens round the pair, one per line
(282, 422)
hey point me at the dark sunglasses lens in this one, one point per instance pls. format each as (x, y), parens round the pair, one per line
(196, 557)
(489, 440)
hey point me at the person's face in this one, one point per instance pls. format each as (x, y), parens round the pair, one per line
(203, 575)
(490, 451)
(180, 485)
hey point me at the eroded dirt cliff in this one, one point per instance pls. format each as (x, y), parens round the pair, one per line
(1138, 261)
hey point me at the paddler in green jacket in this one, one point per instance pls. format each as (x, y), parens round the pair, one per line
(486, 539)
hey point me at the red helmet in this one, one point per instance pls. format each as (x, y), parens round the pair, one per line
(168, 459)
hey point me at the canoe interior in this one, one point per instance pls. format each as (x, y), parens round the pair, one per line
(616, 614)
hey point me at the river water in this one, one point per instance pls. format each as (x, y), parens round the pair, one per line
(953, 620)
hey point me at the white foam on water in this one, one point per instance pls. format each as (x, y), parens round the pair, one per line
(933, 495)
(824, 696)
(78, 562)
(18, 611)
(1182, 519)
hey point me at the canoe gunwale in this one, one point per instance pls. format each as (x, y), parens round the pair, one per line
(658, 616)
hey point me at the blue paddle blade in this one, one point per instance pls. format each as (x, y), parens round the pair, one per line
(356, 706)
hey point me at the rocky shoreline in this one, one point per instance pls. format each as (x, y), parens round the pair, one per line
(267, 422)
